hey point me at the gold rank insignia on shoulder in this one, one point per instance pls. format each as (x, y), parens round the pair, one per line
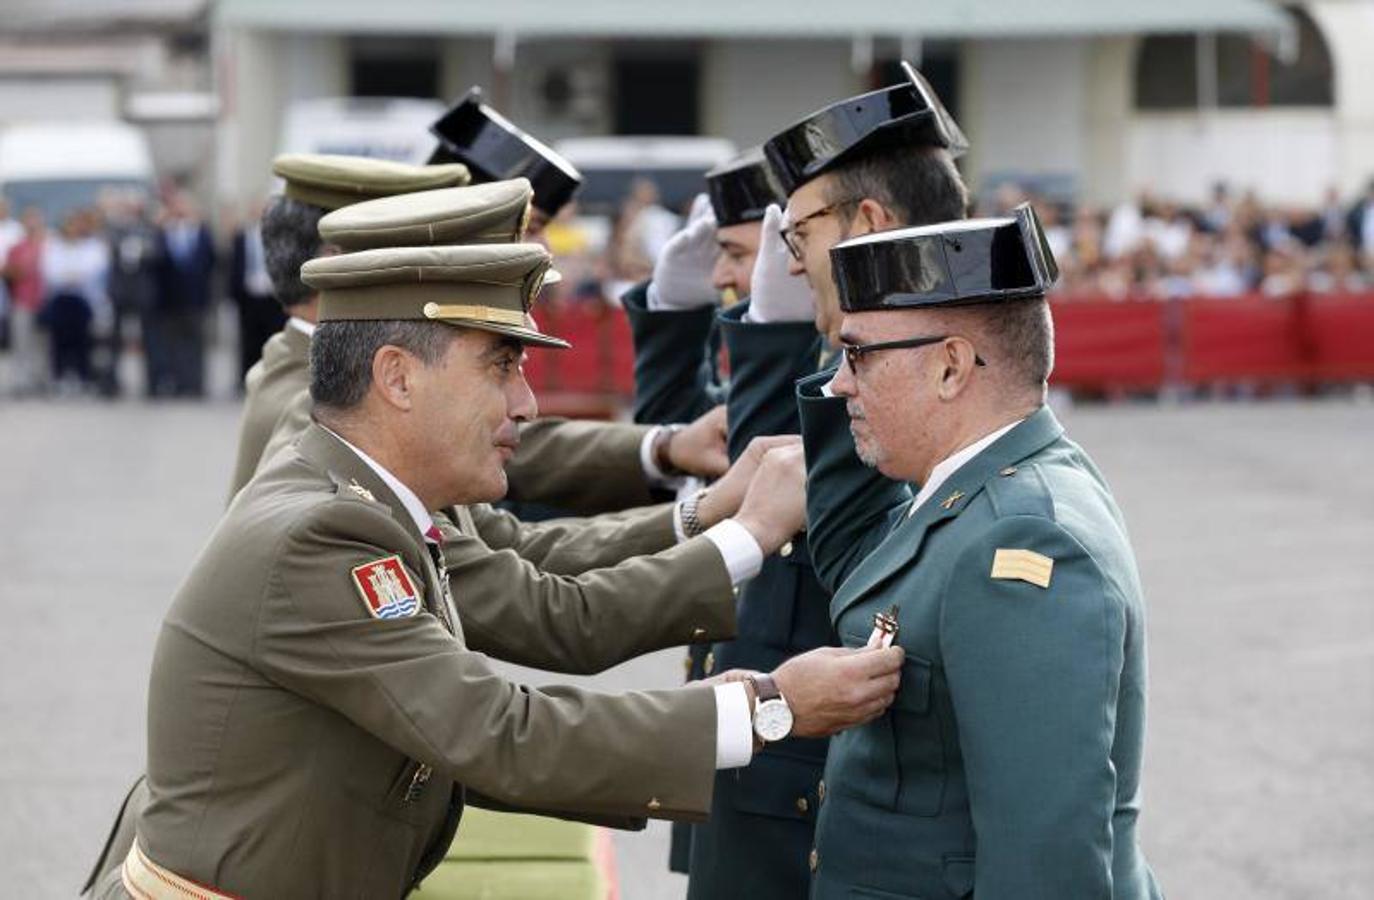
(361, 491)
(1022, 565)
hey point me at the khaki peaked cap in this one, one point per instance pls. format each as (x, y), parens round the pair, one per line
(332, 181)
(488, 286)
(496, 212)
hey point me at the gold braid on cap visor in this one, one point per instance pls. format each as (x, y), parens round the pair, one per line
(472, 313)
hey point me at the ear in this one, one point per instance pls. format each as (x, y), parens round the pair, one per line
(872, 216)
(957, 364)
(393, 376)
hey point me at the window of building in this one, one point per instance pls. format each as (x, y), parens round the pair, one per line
(394, 67)
(1248, 73)
(657, 91)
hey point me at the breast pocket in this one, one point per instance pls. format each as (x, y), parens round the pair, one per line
(918, 743)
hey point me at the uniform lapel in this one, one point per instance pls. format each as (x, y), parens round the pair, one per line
(903, 545)
(345, 467)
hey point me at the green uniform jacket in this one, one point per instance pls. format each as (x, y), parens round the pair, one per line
(1009, 764)
(289, 727)
(675, 360)
(583, 468)
(762, 819)
(761, 829)
(675, 381)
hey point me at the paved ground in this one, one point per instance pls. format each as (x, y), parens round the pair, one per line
(1252, 523)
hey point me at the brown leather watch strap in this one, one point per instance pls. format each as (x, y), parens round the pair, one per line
(765, 687)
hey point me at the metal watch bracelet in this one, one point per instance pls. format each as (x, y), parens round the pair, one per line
(691, 522)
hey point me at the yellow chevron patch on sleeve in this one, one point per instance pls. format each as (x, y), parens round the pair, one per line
(1022, 565)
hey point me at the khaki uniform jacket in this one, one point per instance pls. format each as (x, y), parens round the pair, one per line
(289, 727)
(270, 386)
(584, 468)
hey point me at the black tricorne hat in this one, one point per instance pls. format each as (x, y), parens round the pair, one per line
(959, 263)
(493, 148)
(909, 113)
(742, 188)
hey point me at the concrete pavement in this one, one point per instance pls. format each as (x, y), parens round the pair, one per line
(1252, 524)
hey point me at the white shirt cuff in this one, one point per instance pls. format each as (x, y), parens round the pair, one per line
(734, 726)
(652, 473)
(742, 554)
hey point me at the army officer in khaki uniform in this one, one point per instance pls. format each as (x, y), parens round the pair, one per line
(314, 185)
(317, 717)
(584, 468)
(1009, 766)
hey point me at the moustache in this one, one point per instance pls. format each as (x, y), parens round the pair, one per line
(856, 412)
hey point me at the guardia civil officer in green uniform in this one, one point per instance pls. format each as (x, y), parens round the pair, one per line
(872, 162)
(318, 715)
(492, 148)
(1009, 765)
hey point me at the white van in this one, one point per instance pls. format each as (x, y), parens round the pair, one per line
(676, 164)
(380, 127)
(61, 166)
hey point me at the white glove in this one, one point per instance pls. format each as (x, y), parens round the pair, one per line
(774, 295)
(682, 272)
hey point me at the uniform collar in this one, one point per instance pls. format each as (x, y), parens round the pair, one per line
(953, 463)
(409, 500)
(304, 327)
(902, 546)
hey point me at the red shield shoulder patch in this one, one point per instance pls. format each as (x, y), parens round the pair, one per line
(386, 589)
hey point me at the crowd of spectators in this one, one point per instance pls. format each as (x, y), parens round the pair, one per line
(123, 274)
(1235, 245)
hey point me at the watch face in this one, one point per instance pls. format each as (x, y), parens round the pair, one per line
(773, 720)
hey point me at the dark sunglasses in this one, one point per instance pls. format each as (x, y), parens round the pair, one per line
(853, 353)
(794, 240)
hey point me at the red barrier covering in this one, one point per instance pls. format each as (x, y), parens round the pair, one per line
(1099, 345)
(1340, 336)
(1242, 339)
(1104, 344)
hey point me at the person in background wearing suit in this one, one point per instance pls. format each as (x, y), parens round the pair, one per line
(250, 287)
(185, 294)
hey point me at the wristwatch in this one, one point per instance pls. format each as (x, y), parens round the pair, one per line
(772, 715)
(687, 510)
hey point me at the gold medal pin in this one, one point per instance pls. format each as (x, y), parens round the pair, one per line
(884, 628)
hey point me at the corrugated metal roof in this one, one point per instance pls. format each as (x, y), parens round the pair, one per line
(759, 18)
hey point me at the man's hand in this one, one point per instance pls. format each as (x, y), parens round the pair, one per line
(727, 677)
(776, 296)
(725, 496)
(682, 272)
(774, 508)
(699, 449)
(830, 689)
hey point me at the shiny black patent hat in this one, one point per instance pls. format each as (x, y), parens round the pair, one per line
(494, 149)
(904, 114)
(741, 189)
(960, 263)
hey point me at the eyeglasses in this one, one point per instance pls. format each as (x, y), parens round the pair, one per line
(853, 353)
(794, 241)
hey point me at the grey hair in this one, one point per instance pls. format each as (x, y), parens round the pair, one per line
(1022, 337)
(341, 354)
(918, 185)
(290, 239)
